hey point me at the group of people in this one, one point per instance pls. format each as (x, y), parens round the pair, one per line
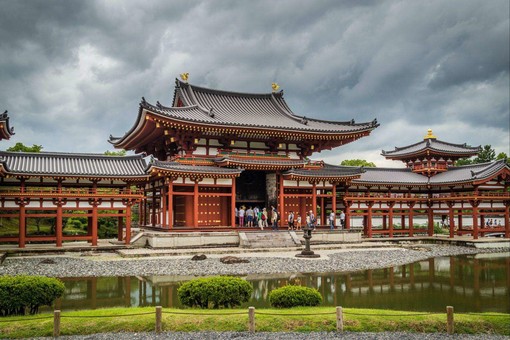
(260, 218)
(491, 223)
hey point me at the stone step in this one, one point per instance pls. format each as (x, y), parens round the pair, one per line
(271, 239)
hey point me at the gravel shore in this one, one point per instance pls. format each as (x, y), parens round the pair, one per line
(331, 260)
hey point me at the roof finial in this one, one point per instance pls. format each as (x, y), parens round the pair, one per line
(429, 135)
(184, 76)
(275, 87)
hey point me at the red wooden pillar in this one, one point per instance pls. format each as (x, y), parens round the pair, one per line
(170, 202)
(333, 199)
(128, 222)
(452, 218)
(474, 204)
(507, 219)
(22, 224)
(369, 219)
(163, 207)
(403, 220)
(195, 204)
(390, 217)
(411, 217)
(94, 222)
(153, 213)
(233, 205)
(430, 215)
(58, 230)
(314, 199)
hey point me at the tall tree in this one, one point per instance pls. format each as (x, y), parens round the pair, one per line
(358, 162)
(487, 154)
(20, 147)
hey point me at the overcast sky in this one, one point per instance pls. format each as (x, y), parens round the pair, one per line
(73, 72)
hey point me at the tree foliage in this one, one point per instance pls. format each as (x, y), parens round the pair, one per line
(358, 162)
(293, 296)
(486, 155)
(115, 153)
(21, 294)
(20, 147)
(215, 292)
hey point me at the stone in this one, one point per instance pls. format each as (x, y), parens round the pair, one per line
(199, 257)
(47, 261)
(233, 259)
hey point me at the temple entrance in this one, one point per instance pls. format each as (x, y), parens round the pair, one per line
(251, 189)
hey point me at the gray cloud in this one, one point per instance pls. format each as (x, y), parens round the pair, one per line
(73, 72)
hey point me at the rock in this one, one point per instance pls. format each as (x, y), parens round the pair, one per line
(233, 259)
(47, 261)
(199, 257)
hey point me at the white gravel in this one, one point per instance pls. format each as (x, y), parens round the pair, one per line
(260, 263)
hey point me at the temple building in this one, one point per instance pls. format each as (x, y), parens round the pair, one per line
(212, 152)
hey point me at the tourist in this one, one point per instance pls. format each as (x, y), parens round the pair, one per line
(263, 219)
(237, 215)
(256, 218)
(342, 220)
(249, 217)
(298, 220)
(291, 220)
(274, 218)
(332, 218)
(241, 216)
(313, 221)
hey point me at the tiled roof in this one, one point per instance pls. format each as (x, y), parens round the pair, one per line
(387, 176)
(327, 171)
(5, 130)
(405, 176)
(252, 110)
(468, 173)
(431, 144)
(69, 164)
(279, 162)
(185, 168)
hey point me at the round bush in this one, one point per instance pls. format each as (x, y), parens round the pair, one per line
(21, 294)
(293, 296)
(215, 292)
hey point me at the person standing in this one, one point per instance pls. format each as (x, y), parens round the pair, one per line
(256, 217)
(241, 216)
(291, 220)
(332, 218)
(274, 218)
(298, 220)
(249, 217)
(342, 220)
(263, 219)
(312, 220)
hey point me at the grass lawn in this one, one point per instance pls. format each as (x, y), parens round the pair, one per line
(266, 320)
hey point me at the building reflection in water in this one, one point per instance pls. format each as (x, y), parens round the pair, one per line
(470, 284)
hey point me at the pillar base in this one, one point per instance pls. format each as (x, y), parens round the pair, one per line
(308, 254)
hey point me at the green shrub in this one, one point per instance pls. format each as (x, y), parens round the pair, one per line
(21, 294)
(215, 292)
(293, 296)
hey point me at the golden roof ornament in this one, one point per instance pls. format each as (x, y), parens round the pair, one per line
(275, 87)
(184, 76)
(429, 135)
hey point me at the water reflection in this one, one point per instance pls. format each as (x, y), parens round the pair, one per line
(469, 283)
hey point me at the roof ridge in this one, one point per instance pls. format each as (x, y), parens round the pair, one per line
(223, 92)
(464, 145)
(70, 154)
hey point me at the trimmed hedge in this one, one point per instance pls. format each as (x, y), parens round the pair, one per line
(215, 292)
(23, 293)
(293, 296)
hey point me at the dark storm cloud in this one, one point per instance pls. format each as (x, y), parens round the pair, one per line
(73, 72)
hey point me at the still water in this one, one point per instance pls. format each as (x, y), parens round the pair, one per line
(478, 283)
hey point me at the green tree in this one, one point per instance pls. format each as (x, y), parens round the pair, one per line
(504, 156)
(487, 154)
(20, 147)
(115, 153)
(358, 162)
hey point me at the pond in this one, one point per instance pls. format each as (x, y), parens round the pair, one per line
(475, 283)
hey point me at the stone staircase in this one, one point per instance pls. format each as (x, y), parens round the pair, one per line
(269, 239)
